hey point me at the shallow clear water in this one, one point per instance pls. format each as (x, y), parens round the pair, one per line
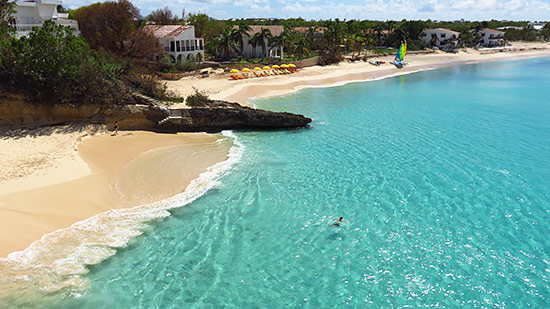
(443, 178)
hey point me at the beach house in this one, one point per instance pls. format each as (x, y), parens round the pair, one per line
(33, 13)
(491, 37)
(380, 34)
(536, 25)
(440, 37)
(178, 42)
(250, 51)
(318, 32)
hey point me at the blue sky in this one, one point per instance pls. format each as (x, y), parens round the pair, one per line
(352, 9)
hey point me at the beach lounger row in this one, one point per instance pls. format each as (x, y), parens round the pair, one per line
(262, 72)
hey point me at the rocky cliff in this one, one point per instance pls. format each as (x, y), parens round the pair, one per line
(220, 115)
(150, 115)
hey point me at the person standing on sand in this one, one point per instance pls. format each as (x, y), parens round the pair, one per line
(116, 127)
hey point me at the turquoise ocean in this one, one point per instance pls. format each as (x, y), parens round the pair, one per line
(442, 177)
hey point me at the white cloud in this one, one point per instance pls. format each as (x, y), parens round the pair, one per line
(251, 3)
(354, 9)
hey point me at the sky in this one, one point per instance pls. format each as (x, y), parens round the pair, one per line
(533, 10)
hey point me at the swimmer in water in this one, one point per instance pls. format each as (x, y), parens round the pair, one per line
(338, 222)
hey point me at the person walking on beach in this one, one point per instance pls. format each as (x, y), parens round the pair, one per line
(338, 222)
(116, 127)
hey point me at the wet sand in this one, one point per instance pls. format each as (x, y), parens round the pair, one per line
(53, 179)
(221, 87)
(107, 172)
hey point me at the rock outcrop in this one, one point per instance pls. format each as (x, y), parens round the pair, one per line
(220, 115)
(148, 115)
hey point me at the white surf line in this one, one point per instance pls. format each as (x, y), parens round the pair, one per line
(59, 258)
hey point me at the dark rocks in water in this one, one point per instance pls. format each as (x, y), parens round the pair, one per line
(221, 115)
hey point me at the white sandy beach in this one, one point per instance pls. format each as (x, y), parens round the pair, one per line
(51, 178)
(221, 87)
(54, 177)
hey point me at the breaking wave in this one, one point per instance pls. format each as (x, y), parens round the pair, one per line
(55, 263)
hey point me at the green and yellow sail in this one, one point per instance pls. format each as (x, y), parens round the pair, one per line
(401, 52)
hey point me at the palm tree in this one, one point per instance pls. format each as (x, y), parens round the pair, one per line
(278, 41)
(378, 29)
(334, 35)
(370, 44)
(433, 40)
(261, 38)
(477, 36)
(239, 35)
(289, 39)
(310, 35)
(224, 43)
(390, 25)
(302, 47)
(358, 42)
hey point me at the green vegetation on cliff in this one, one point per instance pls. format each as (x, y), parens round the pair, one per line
(51, 65)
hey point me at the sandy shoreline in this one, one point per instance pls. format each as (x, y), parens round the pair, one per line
(221, 87)
(51, 178)
(88, 176)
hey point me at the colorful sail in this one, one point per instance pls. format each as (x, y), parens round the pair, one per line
(401, 52)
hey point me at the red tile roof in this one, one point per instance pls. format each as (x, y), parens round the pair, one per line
(384, 32)
(166, 31)
(491, 30)
(306, 29)
(444, 29)
(275, 30)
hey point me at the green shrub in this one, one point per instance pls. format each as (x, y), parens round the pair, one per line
(180, 66)
(52, 64)
(197, 99)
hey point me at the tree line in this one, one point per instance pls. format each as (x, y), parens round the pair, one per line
(102, 65)
(52, 65)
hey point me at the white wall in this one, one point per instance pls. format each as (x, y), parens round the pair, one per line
(185, 40)
(442, 35)
(29, 14)
(497, 39)
(250, 52)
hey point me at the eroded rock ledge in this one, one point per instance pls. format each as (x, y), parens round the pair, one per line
(149, 115)
(220, 115)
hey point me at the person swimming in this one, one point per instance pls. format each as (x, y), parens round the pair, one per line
(338, 222)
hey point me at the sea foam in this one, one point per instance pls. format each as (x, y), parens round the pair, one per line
(58, 260)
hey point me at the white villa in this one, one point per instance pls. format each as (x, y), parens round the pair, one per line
(491, 37)
(272, 51)
(33, 13)
(446, 38)
(179, 42)
(537, 26)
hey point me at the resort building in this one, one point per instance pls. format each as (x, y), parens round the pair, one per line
(382, 33)
(537, 26)
(317, 33)
(440, 37)
(491, 37)
(510, 27)
(249, 51)
(34, 13)
(179, 42)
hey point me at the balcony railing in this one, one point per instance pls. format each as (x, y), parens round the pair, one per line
(63, 22)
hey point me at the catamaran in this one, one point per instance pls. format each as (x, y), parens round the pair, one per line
(399, 60)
